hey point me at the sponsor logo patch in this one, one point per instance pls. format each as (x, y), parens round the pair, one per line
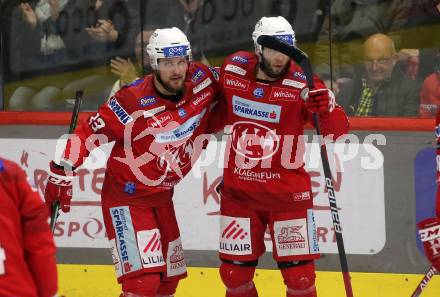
(161, 120)
(185, 130)
(152, 112)
(150, 248)
(175, 51)
(235, 236)
(291, 238)
(258, 92)
(304, 94)
(293, 83)
(181, 112)
(239, 59)
(287, 38)
(313, 234)
(301, 196)
(175, 258)
(198, 74)
(202, 85)
(235, 69)
(119, 111)
(300, 75)
(283, 94)
(181, 103)
(232, 82)
(125, 239)
(200, 99)
(256, 110)
(147, 101)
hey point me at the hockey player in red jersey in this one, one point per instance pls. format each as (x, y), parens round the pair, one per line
(429, 229)
(267, 103)
(154, 123)
(27, 251)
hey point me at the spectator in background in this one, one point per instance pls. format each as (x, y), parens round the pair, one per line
(126, 70)
(90, 33)
(45, 15)
(420, 38)
(381, 90)
(430, 93)
(351, 22)
(40, 19)
(27, 250)
(110, 33)
(191, 10)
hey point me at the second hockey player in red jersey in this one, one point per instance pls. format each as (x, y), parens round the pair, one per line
(265, 184)
(27, 250)
(154, 123)
(429, 229)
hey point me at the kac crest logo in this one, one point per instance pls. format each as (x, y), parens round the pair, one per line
(258, 92)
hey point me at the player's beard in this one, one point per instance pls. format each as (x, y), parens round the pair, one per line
(269, 71)
(168, 87)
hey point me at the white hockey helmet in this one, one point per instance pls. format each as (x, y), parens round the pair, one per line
(273, 26)
(168, 43)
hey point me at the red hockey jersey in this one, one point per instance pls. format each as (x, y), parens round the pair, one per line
(155, 139)
(27, 250)
(430, 96)
(264, 168)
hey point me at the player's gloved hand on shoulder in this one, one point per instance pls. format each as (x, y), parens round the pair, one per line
(321, 101)
(59, 187)
(429, 230)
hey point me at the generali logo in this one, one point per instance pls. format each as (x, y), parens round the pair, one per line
(283, 95)
(291, 235)
(232, 82)
(177, 254)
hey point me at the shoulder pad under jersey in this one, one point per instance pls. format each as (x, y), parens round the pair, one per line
(215, 72)
(199, 76)
(241, 63)
(134, 83)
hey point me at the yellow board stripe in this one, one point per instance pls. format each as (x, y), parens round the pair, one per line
(100, 281)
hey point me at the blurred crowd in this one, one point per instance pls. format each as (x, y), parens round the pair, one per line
(380, 57)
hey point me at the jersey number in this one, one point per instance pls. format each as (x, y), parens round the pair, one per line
(2, 260)
(96, 122)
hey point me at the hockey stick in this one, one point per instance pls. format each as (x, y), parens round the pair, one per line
(424, 282)
(303, 60)
(73, 120)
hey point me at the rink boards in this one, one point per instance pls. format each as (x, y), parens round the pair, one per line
(385, 257)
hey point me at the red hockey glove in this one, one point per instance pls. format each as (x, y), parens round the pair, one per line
(429, 230)
(321, 101)
(58, 187)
